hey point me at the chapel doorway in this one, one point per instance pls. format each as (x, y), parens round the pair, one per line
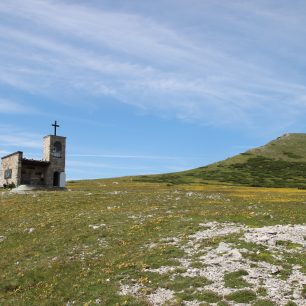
(56, 179)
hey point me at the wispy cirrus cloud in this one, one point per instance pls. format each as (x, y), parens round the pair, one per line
(97, 165)
(12, 137)
(239, 64)
(121, 156)
(77, 168)
(12, 107)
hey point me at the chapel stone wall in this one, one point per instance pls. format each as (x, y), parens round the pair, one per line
(11, 169)
(33, 174)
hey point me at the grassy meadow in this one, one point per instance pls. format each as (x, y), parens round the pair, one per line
(121, 242)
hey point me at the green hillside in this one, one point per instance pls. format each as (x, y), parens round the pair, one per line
(280, 163)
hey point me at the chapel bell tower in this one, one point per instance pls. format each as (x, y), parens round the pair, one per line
(54, 152)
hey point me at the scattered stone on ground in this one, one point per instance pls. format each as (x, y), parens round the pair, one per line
(274, 236)
(29, 230)
(130, 289)
(160, 296)
(96, 226)
(262, 265)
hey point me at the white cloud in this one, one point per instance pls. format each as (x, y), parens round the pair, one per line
(125, 32)
(236, 65)
(12, 107)
(86, 169)
(11, 137)
(120, 156)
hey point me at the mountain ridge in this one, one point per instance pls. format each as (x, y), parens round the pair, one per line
(279, 163)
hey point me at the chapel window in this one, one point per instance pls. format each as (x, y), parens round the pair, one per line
(8, 174)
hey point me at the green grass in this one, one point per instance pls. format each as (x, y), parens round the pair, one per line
(235, 280)
(163, 256)
(242, 296)
(180, 283)
(288, 244)
(280, 163)
(263, 303)
(291, 304)
(304, 291)
(207, 296)
(80, 245)
(190, 294)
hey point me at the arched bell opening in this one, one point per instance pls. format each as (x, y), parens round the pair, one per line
(57, 149)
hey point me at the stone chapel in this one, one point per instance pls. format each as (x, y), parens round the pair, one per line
(48, 172)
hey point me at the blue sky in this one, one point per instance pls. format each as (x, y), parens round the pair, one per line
(150, 86)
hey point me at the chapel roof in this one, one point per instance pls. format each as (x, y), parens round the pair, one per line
(11, 154)
(36, 162)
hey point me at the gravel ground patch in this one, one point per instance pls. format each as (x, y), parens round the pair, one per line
(262, 269)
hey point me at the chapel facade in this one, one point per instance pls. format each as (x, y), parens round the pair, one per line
(47, 172)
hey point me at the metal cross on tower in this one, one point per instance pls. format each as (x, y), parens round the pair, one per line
(55, 126)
